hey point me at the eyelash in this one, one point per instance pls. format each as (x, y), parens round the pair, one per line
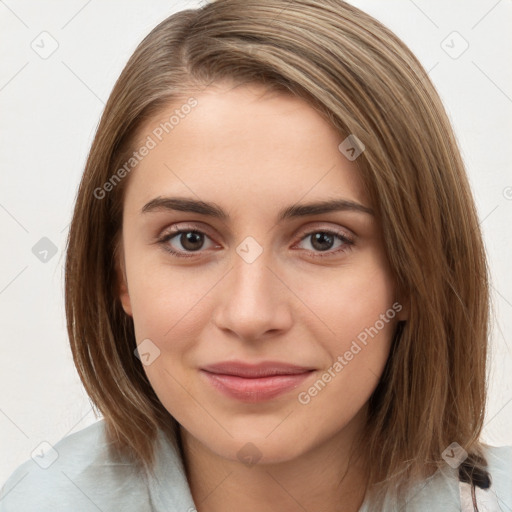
(347, 242)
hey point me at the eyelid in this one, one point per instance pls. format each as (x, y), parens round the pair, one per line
(199, 226)
(344, 234)
(186, 226)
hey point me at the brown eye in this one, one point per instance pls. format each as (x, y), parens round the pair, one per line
(191, 240)
(184, 241)
(322, 241)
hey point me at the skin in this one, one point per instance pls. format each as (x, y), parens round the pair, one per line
(253, 154)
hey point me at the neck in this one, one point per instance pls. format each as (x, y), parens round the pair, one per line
(322, 479)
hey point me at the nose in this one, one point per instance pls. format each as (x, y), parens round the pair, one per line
(253, 301)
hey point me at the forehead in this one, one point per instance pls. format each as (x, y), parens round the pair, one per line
(242, 144)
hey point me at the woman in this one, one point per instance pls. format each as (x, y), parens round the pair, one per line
(276, 286)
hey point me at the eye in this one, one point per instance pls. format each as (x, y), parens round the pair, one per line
(190, 240)
(322, 240)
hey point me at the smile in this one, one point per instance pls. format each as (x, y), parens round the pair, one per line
(255, 389)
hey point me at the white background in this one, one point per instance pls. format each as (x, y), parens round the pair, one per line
(49, 112)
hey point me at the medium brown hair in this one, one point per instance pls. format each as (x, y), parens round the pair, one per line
(367, 83)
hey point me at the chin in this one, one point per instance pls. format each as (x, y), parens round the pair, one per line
(254, 449)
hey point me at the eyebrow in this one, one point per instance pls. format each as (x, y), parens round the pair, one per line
(211, 209)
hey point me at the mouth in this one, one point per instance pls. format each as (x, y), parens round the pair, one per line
(255, 383)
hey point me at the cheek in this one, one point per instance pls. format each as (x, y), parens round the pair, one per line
(354, 319)
(338, 311)
(170, 309)
(350, 299)
(165, 300)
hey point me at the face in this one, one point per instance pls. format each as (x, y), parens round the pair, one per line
(310, 288)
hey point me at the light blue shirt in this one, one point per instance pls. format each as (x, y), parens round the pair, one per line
(77, 475)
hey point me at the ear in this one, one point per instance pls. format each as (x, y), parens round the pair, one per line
(121, 281)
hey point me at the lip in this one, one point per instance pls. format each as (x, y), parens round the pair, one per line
(255, 383)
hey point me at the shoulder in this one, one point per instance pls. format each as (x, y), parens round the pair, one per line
(499, 461)
(77, 474)
(492, 493)
(445, 491)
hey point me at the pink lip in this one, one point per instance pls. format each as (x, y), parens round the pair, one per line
(255, 383)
